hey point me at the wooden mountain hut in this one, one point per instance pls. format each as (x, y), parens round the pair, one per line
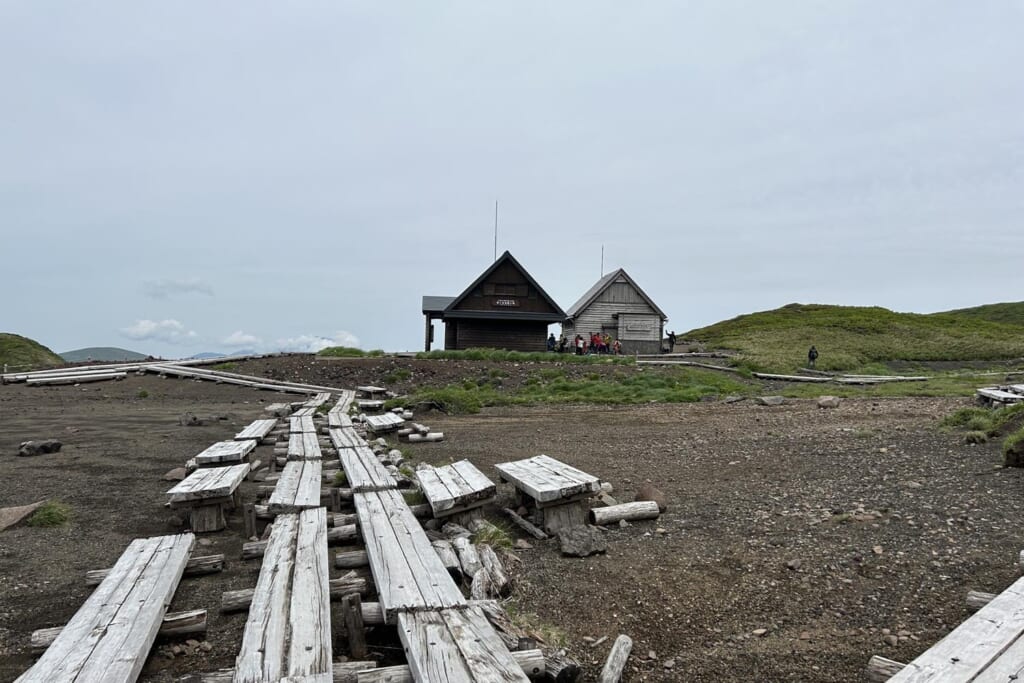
(504, 308)
(616, 306)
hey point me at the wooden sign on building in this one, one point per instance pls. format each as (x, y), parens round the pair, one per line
(616, 306)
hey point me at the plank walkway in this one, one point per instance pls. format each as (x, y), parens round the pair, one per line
(224, 452)
(288, 631)
(455, 488)
(258, 430)
(407, 571)
(548, 481)
(304, 446)
(346, 437)
(386, 422)
(364, 471)
(298, 487)
(110, 636)
(301, 424)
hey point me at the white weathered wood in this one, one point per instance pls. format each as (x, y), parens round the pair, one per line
(532, 662)
(304, 446)
(206, 483)
(449, 558)
(257, 430)
(385, 422)
(173, 624)
(369, 404)
(288, 631)
(547, 480)
(346, 437)
(617, 660)
(75, 378)
(240, 600)
(338, 419)
(225, 452)
(406, 569)
(469, 558)
(880, 669)
(456, 645)
(525, 525)
(342, 672)
(631, 512)
(500, 582)
(196, 566)
(455, 488)
(363, 471)
(109, 638)
(974, 645)
(299, 424)
(298, 487)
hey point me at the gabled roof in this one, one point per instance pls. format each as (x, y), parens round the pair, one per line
(436, 304)
(603, 284)
(557, 315)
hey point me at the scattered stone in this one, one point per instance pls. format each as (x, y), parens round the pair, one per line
(177, 474)
(205, 542)
(669, 663)
(581, 541)
(759, 632)
(891, 640)
(794, 564)
(734, 399)
(649, 492)
(651, 654)
(12, 515)
(877, 550)
(805, 635)
(523, 544)
(191, 420)
(30, 448)
(828, 402)
(661, 531)
(623, 524)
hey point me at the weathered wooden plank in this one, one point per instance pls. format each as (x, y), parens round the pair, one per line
(346, 438)
(456, 645)
(309, 652)
(77, 378)
(338, 418)
(406, 569)
(298, 488)
(226, 452)
(972, 646)
(546, 480)
(257, 430)
(299, 424)
(212, 482)
(304, 446)
(109, 637)
(455, 487)
(364, 471)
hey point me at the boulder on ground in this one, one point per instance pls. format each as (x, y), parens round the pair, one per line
(191, 420)
(581, 541)
(828, 402)
(177, 474)
(30, 448)
(11, 516)
(770, 400)
(648, 492)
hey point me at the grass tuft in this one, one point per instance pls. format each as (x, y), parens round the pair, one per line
(414, 497)
(51, 514)
(523, 356)
(1013, 449)
(494, 536)
(340, 478)
(349, 352)
(977, 436)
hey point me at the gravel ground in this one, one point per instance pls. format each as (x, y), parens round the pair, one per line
(821, 527)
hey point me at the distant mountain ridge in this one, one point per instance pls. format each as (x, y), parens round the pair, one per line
(105, 354)
(22, 353)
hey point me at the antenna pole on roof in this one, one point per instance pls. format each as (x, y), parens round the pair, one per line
(495, 229)
(602, 260)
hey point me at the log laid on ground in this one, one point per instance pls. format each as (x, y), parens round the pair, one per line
(978, 599)
(337, 534)
(526, 526)
(196, 566)
(469, 559)
(174, 624)
(432, 436)
(482, 587)
(560, 667)
(880, 669)
(631, 512)
(352, 615)
(351, 559)
(617, 659)
(238, 600)
(449, 558)
(342, 672)
(500, 583)
(453, 530)
(530, 661)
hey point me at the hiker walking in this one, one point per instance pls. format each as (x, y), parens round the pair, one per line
(671, 342)
(812, 356)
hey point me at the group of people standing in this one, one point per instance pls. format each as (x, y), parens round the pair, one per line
(583, 346)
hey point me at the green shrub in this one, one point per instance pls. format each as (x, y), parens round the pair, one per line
(340, 478)
(142, 393)
(1007, 419)
(967, 418)
(494, 536)
(50, 514)
(343, 352)
(225, 367)
(1013, 449)
(414, 497)
(975, 437)
(397, 375)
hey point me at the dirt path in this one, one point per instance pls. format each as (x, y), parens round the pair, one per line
(885, 522)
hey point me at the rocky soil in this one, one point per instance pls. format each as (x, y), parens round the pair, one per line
(797, 541)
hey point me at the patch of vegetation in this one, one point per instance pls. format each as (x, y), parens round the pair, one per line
(975, 437)
(50, 514)
(324, 408)
(349, 352)
(963, 385)
(340, 478)
(1007, 419)
(523, 357)
(397, 375)
(853, 338)
(494, 536)
(228, 366)
(1013, 449)
(1010, 313)
(528, 622)
(964, 417)
(21, 353)
(414, 497)
(142, 393)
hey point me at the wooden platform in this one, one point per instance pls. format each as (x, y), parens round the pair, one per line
(364, 471)
(986, 648)
(257, 431)
(369, 404)
(386, 422)
(337, 419)
(206, 492)
(301, 424)
(455, 488)
(548, 481)
(288, 632)
(370, 391)
(109, 637)
(225, 453)
(304, 446)
(346, 438)
(456, 646)
(407, 571)
(997, 395)
(298, 488)
(304, 411)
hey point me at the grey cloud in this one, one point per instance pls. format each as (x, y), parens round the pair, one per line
(163, 289)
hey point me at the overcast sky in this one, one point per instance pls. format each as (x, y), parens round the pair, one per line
(184, 177)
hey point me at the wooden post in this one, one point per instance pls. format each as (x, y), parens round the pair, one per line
(249, 514)
(880, 669)
(351, 609)
(617, 658)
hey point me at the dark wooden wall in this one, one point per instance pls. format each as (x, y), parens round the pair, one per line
(506, 285)
(514, 335)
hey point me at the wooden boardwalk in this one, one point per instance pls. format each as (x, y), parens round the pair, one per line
(226, 452)
(257, 431)
(364, 471)
(455, 488)
(298, 488)
(110, 636)
(304, 446)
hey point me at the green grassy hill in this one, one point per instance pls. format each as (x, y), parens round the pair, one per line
(853, 338)
(21, 353)
(104, 354)
(1011, 313)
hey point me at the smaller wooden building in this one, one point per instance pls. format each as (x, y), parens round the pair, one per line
(504, 308)
(616, 306)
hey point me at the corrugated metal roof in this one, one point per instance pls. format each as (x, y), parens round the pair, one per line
(436, 304)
